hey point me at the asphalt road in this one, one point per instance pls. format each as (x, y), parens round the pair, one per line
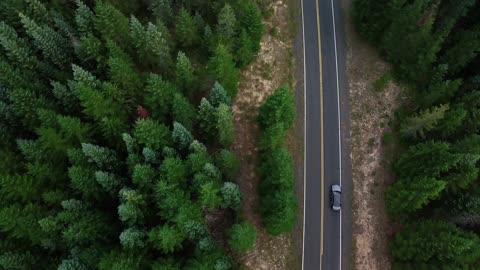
(324, 82)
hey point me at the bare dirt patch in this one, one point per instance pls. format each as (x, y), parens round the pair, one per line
(272, 68)
(371, 112)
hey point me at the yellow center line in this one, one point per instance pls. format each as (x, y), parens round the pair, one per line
(322, 176)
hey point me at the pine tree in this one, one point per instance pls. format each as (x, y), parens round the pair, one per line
(272, 138)
(231, 196)
(12, 77)
(185, 74)
(159, 95)
(226, 23)
(187, 32)
(207, 38)
(448, 14)
(209, 173)
(417, 161)
(108, 181)
(122, 70)
(21, 188)
(18, 260)
(219, 95)
(72, 264)
(199, 21)
(162, 10)
(209, 195)
(225, 128)
(166, 238)
(183, 111)
(101, 156)
(417, 125)
(84, 181)
(173, 170)
(414, 56)
(21, 222)
(38, 12)
(103, 106)
(464, 174)
(434, 244)
(242, 236)
(277, 169)
(132, 207)
(211, 260)
(83, 17)
(137, 32)
(464, 50)
(439, 89)
(250, 19)
(373, 17)
(152, 134)
(468, 145)
(453, 120)
(207, 119)
(16, 48)
(90, 49)
(73, 129)
(198, 157)
(190, 221)
(182, 138)
(278, 108)
(463, 209)
(65, 28)
(409, 195)
(222, 68)
(157, 46)
(228, 164)
(132, 239)
(279, 210)
(168, 198)
(9, 11)
(65, 96)
(143, 175)
(244, 54)
(120, 260)
(51, 43)
(26, 103)
(111, 23)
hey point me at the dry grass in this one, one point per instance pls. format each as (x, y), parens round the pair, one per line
(370, 112)
(271, 69)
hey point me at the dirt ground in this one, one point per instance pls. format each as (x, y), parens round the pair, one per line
(370, 113)
(272, 68)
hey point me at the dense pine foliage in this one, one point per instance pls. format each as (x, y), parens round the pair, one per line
(278, 204)
(434, 48)
(115, 125)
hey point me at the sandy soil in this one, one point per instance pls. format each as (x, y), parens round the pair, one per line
(370, 113)
(272, 68)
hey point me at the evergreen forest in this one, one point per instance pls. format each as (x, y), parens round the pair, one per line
(434, 48)
(116, 124)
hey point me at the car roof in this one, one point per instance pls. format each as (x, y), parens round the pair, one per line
(336, 199)
(336, 188)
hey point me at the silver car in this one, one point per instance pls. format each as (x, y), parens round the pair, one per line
(335, 193)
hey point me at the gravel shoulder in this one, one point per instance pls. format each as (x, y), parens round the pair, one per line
(371, 113)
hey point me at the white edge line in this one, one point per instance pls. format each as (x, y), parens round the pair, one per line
(339, 126)
(304, 134)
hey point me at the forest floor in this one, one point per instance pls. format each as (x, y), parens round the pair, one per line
(272, 68)
(371, 113)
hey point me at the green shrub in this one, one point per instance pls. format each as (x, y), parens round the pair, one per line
(381, 83)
